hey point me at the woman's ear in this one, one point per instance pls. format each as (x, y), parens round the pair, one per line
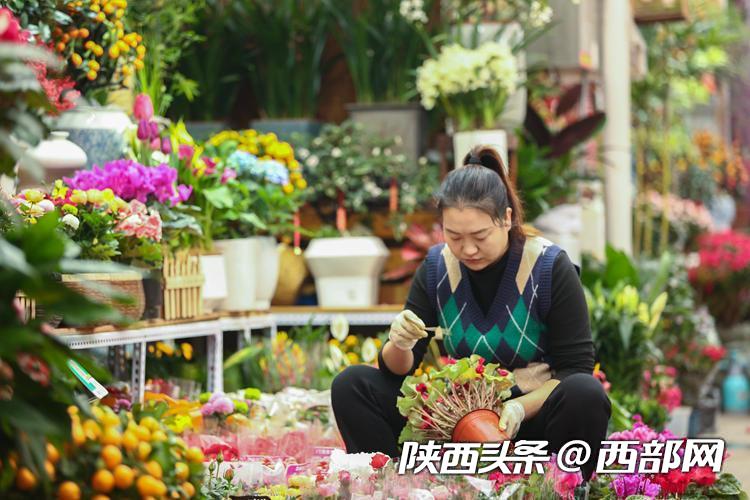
(508, 217)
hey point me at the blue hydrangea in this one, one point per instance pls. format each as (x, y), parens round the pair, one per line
(274, 172)
(244, 163)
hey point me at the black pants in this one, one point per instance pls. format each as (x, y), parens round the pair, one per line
(364, 401)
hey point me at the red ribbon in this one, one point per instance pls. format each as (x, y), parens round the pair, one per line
(393, 201)
(341, 213)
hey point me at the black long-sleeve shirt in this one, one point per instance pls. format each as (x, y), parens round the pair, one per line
(569, 344)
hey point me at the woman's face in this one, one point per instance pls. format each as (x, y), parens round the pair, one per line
(474, 238)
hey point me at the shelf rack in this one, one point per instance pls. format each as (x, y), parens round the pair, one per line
(212, 327)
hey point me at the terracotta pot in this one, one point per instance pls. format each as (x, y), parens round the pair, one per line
(479, 426)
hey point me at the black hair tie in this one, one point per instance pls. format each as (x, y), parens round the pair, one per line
(474, 160)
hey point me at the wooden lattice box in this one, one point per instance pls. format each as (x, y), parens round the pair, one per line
(183, 285)
(28, 306)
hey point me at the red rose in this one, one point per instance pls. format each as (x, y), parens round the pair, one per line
(379, 460)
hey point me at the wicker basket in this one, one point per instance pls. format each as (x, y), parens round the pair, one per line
(183, 285)
(129, 283)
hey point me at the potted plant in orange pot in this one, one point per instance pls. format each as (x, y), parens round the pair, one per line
(461, 402)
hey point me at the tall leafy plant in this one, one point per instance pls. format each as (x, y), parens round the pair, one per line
(215, 69)
(285, 41)
(383, 44)
(168, 28)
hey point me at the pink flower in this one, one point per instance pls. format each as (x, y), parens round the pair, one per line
(10, 29)
(35, 367)
(140, 222)
(185, 152)
(143, 108)
(166, 146)
(564, 482)
(228, 175)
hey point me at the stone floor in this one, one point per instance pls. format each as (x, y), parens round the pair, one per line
(735, 430)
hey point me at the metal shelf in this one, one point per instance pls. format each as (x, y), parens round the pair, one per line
(137, 335)
(381, 315)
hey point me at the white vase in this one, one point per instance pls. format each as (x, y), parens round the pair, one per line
(241, 261)
(56, 156)
(98, 130)
(464, 141)
(215, 284)
(267, 275)
(346, 270)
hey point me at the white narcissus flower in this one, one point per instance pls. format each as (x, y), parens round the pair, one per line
(339, 327)
(71, 221)
(369, 350)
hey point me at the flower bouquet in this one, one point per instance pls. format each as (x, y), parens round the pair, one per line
(460, 402)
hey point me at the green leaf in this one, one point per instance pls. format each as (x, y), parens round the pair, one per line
(620, 269)
(220, 197)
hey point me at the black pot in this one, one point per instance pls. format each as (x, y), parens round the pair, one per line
(154, 294)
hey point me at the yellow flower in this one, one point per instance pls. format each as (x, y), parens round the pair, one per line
(353, 358)
(95, 196)
(60, 191)
(301, 184)
(108, 195)
(293, 164)
(78, 197)
(334, 342)
(187, 351)
(165, 348)
(351, 341)
(288, 189)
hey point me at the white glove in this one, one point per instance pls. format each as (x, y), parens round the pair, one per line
(511, 418)
(532, 377)
(406, 330)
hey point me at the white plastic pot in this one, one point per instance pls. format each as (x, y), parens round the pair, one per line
(241, 261)
(464, 141)
(215, 284)
(346, 270)
(267, 274)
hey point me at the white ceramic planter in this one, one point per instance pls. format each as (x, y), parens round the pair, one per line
(267, 274)
(57, 156)
(346, 270)
(241, 261)
(215, 284)
(98, 130)
(464, 141)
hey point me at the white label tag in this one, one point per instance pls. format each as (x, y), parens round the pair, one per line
(87, 380)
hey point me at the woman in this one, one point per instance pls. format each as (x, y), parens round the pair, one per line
(514, 299)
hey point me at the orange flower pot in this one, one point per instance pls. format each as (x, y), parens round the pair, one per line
(479, 426)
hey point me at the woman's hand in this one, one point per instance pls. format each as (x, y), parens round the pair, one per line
(511, 418)
(532, 377)
(406, 330)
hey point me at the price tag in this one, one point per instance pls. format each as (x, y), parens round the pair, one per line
(87, 380)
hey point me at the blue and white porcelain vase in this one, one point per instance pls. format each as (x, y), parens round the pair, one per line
(99, 131)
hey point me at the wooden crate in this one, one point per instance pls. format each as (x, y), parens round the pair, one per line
(183, 285)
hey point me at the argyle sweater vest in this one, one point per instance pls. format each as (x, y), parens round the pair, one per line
(512, 332)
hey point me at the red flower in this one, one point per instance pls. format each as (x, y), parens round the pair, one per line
(714, 353)
(675, 481)
(35, 367)
(60, 91)
(704, 476)
(379, 460)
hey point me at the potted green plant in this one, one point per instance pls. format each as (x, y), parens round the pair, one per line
(285, 42)
(383, 42)
(262, 190)
(350, 170)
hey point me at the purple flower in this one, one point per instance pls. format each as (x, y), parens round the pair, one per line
(184, 192)
(626, 485)
(143, 130)
(154, 130)
(166, 146)
(131, 181)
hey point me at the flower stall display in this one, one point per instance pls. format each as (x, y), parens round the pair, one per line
(721, 276)
(459, 402)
